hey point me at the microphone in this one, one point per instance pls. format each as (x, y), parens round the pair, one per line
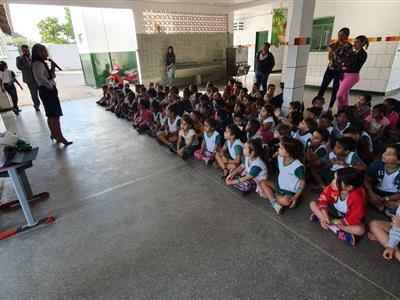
(53, 62)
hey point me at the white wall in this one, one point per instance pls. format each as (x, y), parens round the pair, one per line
(104, 29)
(66, 56)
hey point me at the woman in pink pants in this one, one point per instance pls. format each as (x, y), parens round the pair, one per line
(352, 69)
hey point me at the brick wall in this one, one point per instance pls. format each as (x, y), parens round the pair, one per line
(200, 48)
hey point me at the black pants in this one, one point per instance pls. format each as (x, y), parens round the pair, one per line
(12, 91)
(330, 75)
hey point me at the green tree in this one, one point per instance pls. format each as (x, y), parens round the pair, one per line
(52, 32)
(19, 39)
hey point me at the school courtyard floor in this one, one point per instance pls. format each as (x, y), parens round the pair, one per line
(135, 221)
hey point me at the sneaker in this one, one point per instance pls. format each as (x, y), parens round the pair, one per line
(314, 219)
(349, 238)
(278, 208)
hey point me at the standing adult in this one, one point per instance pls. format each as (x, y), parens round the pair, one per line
(24, 64)
(338, 53)
(352, 69)
(265, 62)
(44, 78)
(170, 64)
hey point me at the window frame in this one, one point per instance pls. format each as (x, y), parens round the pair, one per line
(323, 24)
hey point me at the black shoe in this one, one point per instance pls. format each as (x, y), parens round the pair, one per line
(16, 111)
(37, 109)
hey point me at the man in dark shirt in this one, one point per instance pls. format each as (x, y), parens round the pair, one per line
(265, 62)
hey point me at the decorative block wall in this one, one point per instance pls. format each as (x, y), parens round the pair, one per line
(394, 77)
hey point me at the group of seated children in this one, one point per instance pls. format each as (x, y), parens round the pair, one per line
(245, 134)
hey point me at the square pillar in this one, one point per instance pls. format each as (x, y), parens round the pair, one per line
(301, 14)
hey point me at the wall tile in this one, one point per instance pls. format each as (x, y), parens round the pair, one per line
(384, 61)
(391, 48)
(323, 59)
(364, 84)
(378, 85)
(380, 47)
(384, 73)
(372, 73)
(371, 60)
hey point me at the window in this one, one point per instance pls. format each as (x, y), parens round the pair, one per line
(321, 33)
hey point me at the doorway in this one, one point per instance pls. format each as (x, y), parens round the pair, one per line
(261, 39)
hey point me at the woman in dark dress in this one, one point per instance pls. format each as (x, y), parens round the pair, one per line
(170, 65)
(265, 62)
(44, 78)
(338, 52)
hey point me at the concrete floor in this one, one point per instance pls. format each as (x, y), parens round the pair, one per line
(134, 221)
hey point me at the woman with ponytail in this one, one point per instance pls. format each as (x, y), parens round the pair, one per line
(352, 70)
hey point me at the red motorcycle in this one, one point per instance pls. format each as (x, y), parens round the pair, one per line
(132, 76)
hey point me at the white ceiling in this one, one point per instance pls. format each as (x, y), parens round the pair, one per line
(206, 2)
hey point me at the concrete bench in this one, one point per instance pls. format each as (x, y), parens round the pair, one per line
(196, 70)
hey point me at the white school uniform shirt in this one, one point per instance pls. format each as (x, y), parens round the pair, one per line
(365, 136)
(350, 159)
(211, 141)
(188, 136)
(287, 178)
(341, 204)
(324, 159)
(258, 162)
(231, 147)
(303, 138)
(162, 119)
(337, 132)
(173, 126)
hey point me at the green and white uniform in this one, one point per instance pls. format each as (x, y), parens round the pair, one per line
(289, 176)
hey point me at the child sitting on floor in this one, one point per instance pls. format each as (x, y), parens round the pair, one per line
(187, 141)
(383, 181)
(197, 123)
(376, 125)
(340, 124)
(171, 128)
(229, 157)
(252, 171)
(280, 131)
(363, 141)
(144, 116)
(341, 207)
(149, 127)
(268, 123)
(290, 183)
(253, 130)
(317, 156)
(325, 122)
(210, 144)
(305, 131)
(103, 100)
(342, 156)
(393, 117)
(364, 105)
(388, 235)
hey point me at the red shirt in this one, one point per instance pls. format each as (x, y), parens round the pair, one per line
(393, 118)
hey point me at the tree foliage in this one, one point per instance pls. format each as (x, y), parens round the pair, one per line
(51, 32)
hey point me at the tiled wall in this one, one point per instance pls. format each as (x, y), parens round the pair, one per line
(394, 78)
(200, 48)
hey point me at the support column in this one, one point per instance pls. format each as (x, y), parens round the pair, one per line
(301, 14)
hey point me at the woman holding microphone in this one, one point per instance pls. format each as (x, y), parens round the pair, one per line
(44, 78)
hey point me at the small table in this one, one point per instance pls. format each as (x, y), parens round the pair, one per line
(18, 177)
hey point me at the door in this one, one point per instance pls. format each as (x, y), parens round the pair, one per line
(261, 39)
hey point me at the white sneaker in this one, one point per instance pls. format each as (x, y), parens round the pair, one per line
(278, 208)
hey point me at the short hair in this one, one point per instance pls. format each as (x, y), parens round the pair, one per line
(145, 103)
(271, 84)
(392, 102)
(174, 108)
(293, 147)
(311, 124)
(315, 110)
(222, 114)
(297, 117)
(24, 46)
(238, 115)
(349, 176)
(296, 105)
(155, 105)
(348, 143)
(367, 98)
(324, 133)
(267, 44)
(254, 124)
(396, 147)
(244, 90)
(104, 86)
(342, 111)
(316, 98)
(211, 122)
(327, 116)
(283, 129)
(152, 93)
(357, 125)
(345, 30)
